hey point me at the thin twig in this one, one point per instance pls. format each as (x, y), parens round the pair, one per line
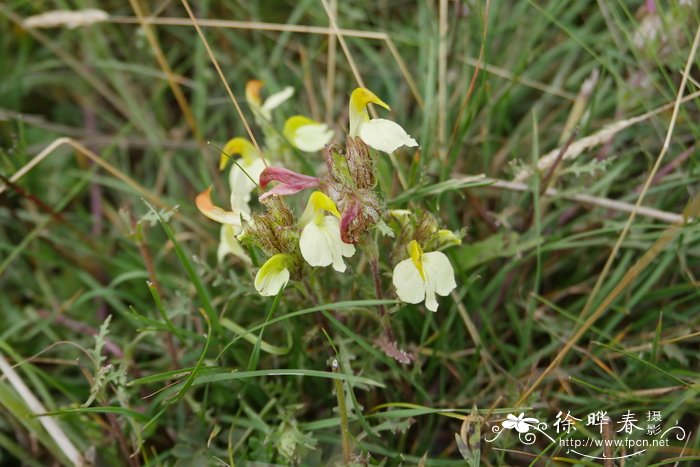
(169, 74)
(608, 435)
(343, 45)
(117, 431)
(668, 168)
(248, 25)
(79, 147)
(404, 69)
(277, 27)
(80, 69)
(213, 59)
(56, 216)
(547, 180)
(540, 86)
(549, 177)
(669, 217)
(360, 82)
(601, 136)
(96, 209)
(92, 156)
(330, 68)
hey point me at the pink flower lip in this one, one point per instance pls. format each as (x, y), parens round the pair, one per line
(290, 182)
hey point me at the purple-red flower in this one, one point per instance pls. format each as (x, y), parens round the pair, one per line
(290, 182)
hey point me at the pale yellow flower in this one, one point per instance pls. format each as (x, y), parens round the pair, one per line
(378, 133)
(320, 241)
(273, 275)
(306, 134)
(422, 276)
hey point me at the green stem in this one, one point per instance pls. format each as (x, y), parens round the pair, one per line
(373, 252)
(342, 409)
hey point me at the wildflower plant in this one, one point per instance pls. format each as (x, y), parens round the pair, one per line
(345, 211)
(306, 337)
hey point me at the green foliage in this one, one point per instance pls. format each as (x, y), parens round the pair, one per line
(122, 322)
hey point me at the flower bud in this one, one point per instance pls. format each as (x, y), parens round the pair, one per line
(361, 211)
(349, 225)
(361, 163)
(403, 216)
(273, 232)
(448, 238)
(354, 167)
(338, 165)
(426, 229)
(280, 212)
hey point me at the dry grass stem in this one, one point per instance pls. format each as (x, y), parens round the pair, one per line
(668, 235)
(36, 408)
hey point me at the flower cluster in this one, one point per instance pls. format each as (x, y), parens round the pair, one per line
(343, 208)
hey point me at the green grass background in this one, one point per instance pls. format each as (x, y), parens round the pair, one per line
(526, 270)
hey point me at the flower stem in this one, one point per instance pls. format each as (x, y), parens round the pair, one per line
(374, 267)
(342, 410)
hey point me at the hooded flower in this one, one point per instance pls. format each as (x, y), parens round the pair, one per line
(244, 173)
(378, 133)
(252, 94)
(274, 274)
(320, 241)
(290, 181)
(306, 134)
(232, 225)
(423, 275)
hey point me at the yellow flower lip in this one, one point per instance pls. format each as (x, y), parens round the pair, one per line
(237, 146)
(416, 253)
(276, 263)
(274, 274)
(294, 123)
(360, 97)
(321, 202)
